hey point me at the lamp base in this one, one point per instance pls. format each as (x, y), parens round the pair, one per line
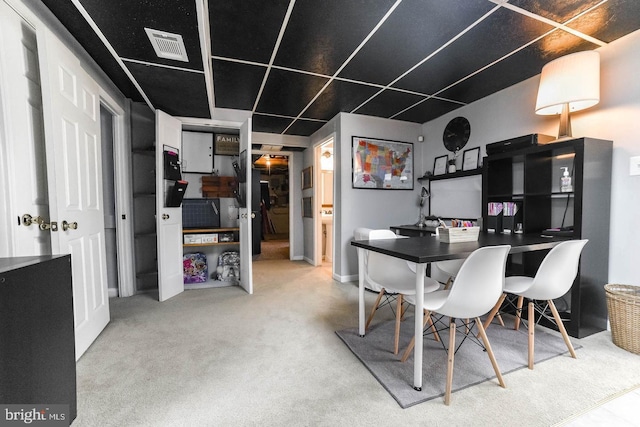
(564, 130)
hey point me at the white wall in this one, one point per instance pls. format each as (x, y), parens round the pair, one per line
(510, 113)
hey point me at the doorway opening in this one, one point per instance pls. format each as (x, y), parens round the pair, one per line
(274, 204)
(324, 235)
(108, 197)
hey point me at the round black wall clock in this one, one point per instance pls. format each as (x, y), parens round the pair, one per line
(456, 134)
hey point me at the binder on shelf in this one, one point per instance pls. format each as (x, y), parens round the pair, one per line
(171, 165)
(494, 217)
(176, 194)
(510, 216)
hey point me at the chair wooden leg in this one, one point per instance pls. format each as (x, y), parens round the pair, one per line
(412, 343)
(448, 284)
(436, 335)
(516, 325)
(494, 363)
(500, 319)
(494, 311)
(451, 353)
(396, 339)
(561, 328)
(405, 307)
(375, 307)
(532, 324)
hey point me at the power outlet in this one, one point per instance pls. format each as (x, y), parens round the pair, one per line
(634, 165)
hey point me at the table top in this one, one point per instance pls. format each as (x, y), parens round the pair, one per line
(430, 248)
(13, 263)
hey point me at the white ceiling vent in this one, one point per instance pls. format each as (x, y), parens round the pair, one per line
(167, 45)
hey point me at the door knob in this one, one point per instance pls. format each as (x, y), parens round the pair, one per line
(69, 225)
(27, 220)
(165, 216)
(253, 215)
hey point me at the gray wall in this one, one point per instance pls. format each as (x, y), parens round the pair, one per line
(355, 208)
(510, 113)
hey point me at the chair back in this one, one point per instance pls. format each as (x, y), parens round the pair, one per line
(382, 269)
(478, 284)
(557, 271)
(361, 233)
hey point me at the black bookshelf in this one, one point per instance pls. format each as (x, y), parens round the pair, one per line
(531, 178)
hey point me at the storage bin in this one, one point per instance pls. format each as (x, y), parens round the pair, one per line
(459, 234)
(195, 268)
(623, 303)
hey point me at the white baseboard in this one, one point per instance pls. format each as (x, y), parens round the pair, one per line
(113, 292)
(347, 278)
(297, 258)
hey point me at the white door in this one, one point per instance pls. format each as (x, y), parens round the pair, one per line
(246, 252)
(22, 157)
(168, 219)
(74, 174)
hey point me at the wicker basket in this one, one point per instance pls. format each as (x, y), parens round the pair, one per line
(623, 303)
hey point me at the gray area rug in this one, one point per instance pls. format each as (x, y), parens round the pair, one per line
(471, 363)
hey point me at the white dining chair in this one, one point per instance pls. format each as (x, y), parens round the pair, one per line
(477, 287)
(446, 271)
(390, 277)
(553, 279)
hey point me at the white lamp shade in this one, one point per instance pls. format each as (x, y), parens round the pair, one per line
(573, 79)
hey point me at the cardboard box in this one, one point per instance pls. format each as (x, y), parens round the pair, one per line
(200, 239)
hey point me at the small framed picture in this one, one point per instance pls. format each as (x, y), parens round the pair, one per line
(307, 177)
(440, 165)
(470, 159)
(307, 207)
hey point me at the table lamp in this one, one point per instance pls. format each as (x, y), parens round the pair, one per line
(567, 84)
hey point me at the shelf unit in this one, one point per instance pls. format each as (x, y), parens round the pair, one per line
(144, 196)
(211, 250)
(531, 178)
(452, 175)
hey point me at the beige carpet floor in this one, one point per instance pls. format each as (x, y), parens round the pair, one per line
(220, 357)
(273, 250)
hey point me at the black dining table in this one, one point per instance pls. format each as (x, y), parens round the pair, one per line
(427, 249)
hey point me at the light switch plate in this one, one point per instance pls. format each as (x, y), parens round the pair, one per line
(634, 165)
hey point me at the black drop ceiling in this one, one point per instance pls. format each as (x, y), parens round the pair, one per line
(295, 65)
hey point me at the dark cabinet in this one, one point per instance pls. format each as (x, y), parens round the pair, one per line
(37, 344)
(530, 177)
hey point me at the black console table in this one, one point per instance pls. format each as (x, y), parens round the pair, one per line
(37, 344)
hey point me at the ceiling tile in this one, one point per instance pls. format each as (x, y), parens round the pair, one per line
(176, 92)
(338, 97)
(428, 110)
(320, 36)
(287, 93)
(500, 33)
(123, 23)
(388, 103)
(246, 29)
(236, 85)
(518, 67)
(69, 16)
(304, 127)
(610, 21)
(558, 11)
(269, 124)
(413, 31)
